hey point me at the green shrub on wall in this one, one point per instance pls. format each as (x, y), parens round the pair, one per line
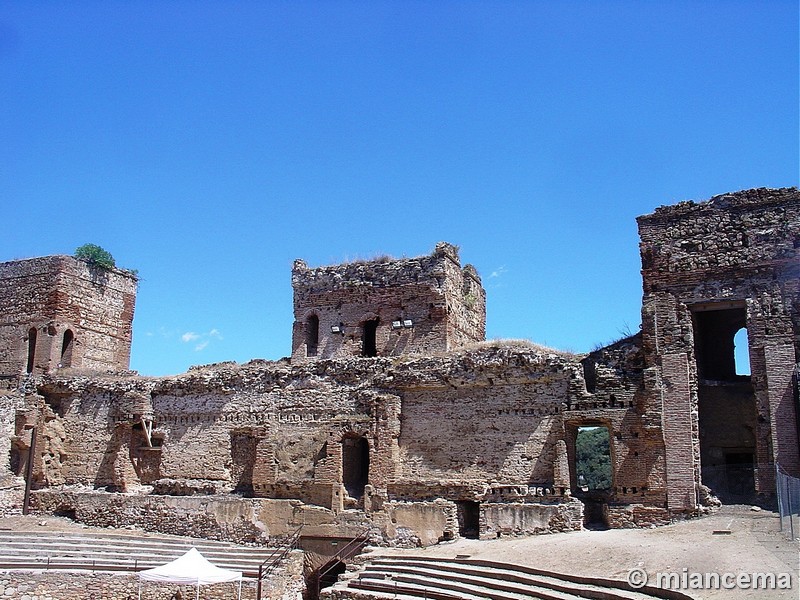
(95, 255)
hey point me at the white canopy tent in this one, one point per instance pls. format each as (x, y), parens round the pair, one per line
(190, 569)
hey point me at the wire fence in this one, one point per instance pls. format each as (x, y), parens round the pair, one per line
(788, 490)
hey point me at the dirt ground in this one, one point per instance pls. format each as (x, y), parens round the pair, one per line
(754, 545)
(734, 539)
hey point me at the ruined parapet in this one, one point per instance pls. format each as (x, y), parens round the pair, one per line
(717, 274)
(61, 312)
(387, 307)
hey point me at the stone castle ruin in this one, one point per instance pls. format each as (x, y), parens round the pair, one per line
(393, 414)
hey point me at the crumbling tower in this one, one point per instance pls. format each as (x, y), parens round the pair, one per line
(719, 274)
(59, 312)
(387, 307)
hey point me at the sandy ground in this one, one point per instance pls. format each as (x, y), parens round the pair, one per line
(754, 544)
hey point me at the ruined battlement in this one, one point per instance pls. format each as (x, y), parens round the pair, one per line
(387, 307)
(744, 229)
(380, 272)
(61, 312)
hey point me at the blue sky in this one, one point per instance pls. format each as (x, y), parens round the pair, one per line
(209, 144)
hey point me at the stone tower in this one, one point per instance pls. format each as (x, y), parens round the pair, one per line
(61, 312)
(387, 307)
(717, 275)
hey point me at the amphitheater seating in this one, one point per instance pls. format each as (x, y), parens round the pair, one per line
(414, 577)
(117, 551)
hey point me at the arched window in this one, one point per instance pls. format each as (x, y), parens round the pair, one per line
(312, 335)
(66, 348)
(741, 352)
(31, 349)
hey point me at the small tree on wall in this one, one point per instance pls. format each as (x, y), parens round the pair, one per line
(95, 255)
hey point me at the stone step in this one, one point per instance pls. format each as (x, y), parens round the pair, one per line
(126, 555)
(133, 561)
(133, 537)
(418, 575)
(495, 589)
(508, 573)
(52, 547)
(408, 590)
(116, 552)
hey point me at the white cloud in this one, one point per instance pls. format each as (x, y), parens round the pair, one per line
(201, 340)
(499, 271)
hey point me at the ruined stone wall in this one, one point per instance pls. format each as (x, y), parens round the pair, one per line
(55, 295)
(221, 517)
(614, 396)
(11, 468)
(439, 304)
(512, 441)
(495, 424)
(736, 252)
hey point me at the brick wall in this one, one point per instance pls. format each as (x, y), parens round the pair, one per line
(444, 304)
(735, 252)
(56, 294)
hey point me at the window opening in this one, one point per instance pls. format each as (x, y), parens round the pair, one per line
(741, 352)
(66, 349)
(355, 465)
(312, 335)
(31, 349)
(369, 346)
(593, 459)
(715, 332)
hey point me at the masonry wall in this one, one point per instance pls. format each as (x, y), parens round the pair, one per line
(513, 441)
(274, 430)
(439, 305)
(56, 294)
(737, 251)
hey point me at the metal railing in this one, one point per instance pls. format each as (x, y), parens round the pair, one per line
(269, 565)
(788, 493)
(347, 551)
